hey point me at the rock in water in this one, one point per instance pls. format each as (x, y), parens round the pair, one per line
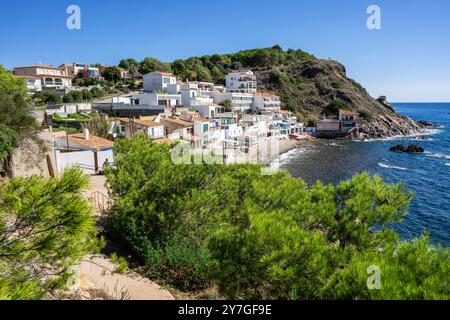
(424, 123)
(398, 148)
(413, 148)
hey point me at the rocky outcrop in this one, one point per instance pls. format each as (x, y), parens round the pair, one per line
(309, 87)
(413, 148)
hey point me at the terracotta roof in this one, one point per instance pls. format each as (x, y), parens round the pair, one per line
(178, 121)
(147, 123)
(94, 142)
(342, 111)
(266, 94)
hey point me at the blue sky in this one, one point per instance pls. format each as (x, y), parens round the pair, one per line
(407, 60)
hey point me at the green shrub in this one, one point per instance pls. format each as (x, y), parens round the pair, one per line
(366, 115)
(264, 237)
(334, 107)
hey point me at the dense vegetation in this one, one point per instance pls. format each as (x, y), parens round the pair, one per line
(46, 227)
(257, 236)
(16, 122)
(213, 68)
(45, 224)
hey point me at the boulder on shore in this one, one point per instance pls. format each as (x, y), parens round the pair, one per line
(413, 148)
(424, 123)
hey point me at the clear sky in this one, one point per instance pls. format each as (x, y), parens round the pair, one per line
(407, 60)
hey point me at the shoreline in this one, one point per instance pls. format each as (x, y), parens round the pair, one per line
(287, 145)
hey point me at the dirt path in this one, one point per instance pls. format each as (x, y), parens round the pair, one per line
(97, 272)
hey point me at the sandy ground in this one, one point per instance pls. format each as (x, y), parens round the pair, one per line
(97, 272)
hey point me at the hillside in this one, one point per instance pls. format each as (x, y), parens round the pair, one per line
(308, 86)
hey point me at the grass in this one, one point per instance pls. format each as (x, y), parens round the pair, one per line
(122, 263)
(67, 129)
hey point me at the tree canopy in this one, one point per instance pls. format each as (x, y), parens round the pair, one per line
(151, 64)
(46, 227)
(129, 64)
(257, 236)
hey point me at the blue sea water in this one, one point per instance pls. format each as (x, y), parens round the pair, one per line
(427, 174)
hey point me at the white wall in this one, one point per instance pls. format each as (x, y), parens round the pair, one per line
(70, 108)
(82, 159)
(155, 132)
(157, 82)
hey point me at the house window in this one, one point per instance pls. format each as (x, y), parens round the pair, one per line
(205, 127)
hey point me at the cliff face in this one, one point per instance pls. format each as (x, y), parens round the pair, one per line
(311, 88)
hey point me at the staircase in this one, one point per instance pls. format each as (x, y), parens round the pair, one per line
(100, 201)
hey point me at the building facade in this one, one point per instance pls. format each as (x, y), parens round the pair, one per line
(240, 102)
(50, 76)
(267, 102)
(80, 69)
(158, 81)
(243, 81)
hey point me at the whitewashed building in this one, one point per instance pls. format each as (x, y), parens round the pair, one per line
(242, 102)
(241, 81)
(50, 76)
(157, 99)
(158, 81)
(34, 84)
(267, 102)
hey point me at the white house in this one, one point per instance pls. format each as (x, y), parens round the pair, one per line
(209, 130)
(34, 84)
(158, 81)
(241, 81)
(127, 128)
(233, 130)
(157, 99)
(50, 76)
(206, 110)
(83, 150)
(267, 102)
(242, 102)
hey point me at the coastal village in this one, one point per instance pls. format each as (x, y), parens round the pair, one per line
(235, 122)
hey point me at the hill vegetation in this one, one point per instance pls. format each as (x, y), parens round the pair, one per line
(308, 86)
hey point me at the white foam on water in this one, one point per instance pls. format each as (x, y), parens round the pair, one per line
(424, 132)
(388, 166)
(438, 155)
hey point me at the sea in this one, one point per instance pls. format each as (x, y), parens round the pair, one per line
(427, 174)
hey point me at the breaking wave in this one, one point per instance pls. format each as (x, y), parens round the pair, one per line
(388, 166)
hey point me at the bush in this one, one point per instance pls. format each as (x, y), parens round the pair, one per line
(46, 227)
(97, 92)
(334, 107)
(263, 237)
(366, 115)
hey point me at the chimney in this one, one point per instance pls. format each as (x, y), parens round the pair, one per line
(86, 134)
